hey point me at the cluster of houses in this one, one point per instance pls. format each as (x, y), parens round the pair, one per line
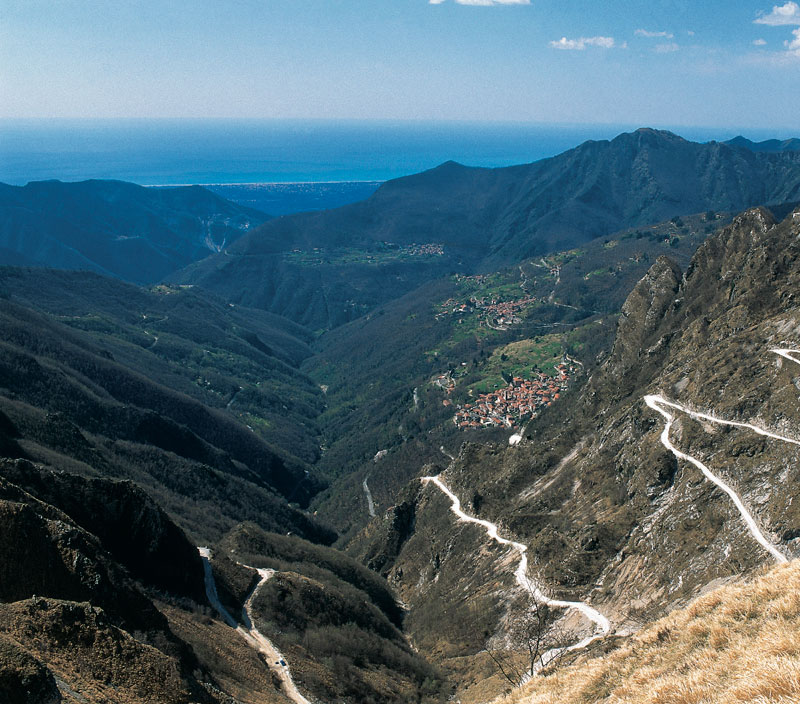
(426, 249)
(495, 314)
(520, 400)
(505, 313)
(445, 381)
(319, 255)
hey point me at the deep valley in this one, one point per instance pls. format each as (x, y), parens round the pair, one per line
(526, 434)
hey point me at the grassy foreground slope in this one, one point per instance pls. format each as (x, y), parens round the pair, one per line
(738, 643)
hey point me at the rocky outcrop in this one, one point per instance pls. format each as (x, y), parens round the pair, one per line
(70, 609)
(642, 315)
(43, 552)
(23, 679)
(401, 518)
(128, 524)
(80, 645)
(608, 514)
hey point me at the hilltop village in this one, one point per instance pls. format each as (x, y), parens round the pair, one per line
(433, 249)
(493, 313)
(517, 402)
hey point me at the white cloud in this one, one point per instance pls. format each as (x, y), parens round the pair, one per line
(667, 48)
(484, 3)
(788, 13)
(653, 35)
(781, 16)
(582, 42)
(793, 46)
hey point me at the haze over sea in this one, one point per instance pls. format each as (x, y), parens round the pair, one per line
(172, 152)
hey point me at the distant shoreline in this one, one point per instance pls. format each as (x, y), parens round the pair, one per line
(299, 153)
(263, 183)
(285, 197)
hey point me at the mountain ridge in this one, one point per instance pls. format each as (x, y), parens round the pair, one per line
(768, 145)
(116, 228)
(488, 218)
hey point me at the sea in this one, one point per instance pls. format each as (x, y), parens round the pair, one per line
(284, 157)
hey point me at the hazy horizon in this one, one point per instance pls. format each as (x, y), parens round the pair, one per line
(219, 151)
(725, 64)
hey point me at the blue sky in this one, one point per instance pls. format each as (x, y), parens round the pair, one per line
(664, 62)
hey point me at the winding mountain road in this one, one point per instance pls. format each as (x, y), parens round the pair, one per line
(602, 624)
(247, 630)
(787, 354)
(659, 404)
(662, 406)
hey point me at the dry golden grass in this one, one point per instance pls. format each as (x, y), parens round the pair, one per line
(740, 643)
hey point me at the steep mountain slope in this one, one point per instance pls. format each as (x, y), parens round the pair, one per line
(117, 228)
(103, 599)
(336, 622)
(73, 614)
(487, 218)
(78, 400)
(608, 513)
(244, 362)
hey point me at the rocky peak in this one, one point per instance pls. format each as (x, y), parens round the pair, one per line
(642, 314)
(741, 265)
(737, 267)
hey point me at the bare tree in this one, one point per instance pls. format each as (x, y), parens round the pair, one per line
(533, 641)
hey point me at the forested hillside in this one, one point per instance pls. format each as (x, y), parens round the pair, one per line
(116, 228)
(178, 391)
(323, 269)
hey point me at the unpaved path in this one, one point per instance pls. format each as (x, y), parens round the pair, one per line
(446, 453)
(247, 630)
(660, 404)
